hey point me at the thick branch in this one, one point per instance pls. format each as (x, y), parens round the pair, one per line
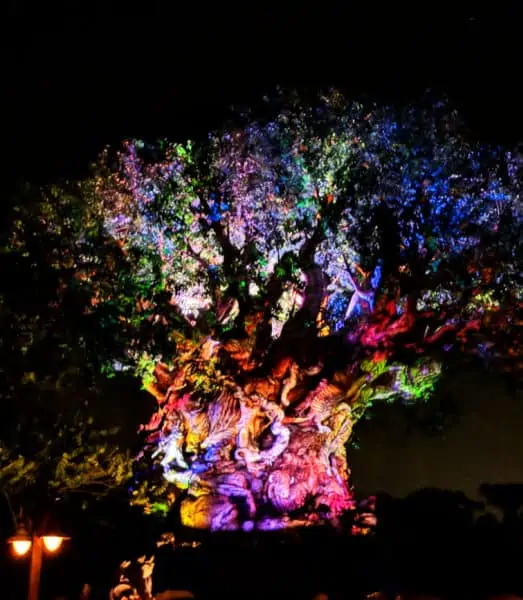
(230, 254)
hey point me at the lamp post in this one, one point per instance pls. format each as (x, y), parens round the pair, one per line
(23, 542)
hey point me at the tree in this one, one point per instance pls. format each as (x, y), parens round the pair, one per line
(275, 281)
(294, 271)
(57, 438)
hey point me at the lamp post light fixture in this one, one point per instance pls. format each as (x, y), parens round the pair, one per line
(52, 543)
(23, 542)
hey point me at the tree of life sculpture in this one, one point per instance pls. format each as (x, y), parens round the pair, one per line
(289, 272)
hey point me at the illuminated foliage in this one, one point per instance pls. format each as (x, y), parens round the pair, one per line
(79, 459)
(57, 437)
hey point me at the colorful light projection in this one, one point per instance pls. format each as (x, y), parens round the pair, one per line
(316, 263)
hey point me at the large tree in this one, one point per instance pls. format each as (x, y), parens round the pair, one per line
(295, 270)
(272, 283)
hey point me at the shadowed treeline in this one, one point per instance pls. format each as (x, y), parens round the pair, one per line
(438, 512)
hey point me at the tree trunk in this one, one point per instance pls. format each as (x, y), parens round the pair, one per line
(267, 454)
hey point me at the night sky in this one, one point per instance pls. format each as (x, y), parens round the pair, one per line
(80, 75)
(483, 445)
(77, 78)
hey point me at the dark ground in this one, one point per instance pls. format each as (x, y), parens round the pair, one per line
(427, 542)
(427, 539)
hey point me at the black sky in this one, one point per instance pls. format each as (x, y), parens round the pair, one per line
(79, 75)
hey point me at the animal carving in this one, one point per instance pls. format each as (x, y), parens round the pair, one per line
(318, 405)
(265, 443)
(223, 418)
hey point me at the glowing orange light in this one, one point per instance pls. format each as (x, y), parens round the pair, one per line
(21, 547)
(52, 543)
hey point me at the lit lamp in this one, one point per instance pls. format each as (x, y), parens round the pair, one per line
(52, 543)
(49, 539)
(21, 541)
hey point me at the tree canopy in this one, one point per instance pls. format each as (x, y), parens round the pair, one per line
(377, 201)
